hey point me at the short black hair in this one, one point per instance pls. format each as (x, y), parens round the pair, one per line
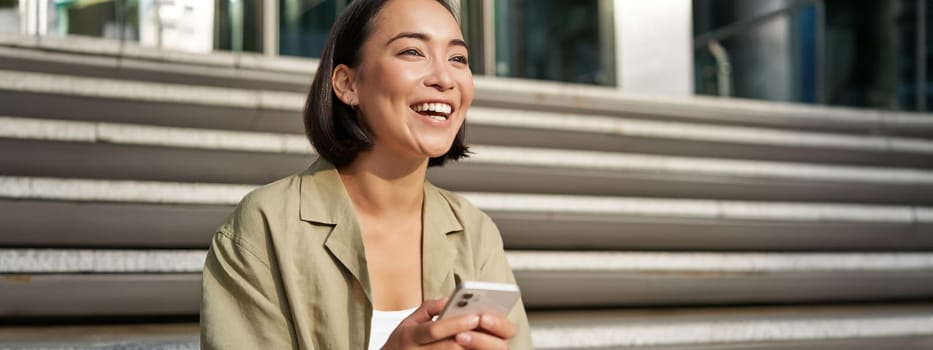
(335, 129)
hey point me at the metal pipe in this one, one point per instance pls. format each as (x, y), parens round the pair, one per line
(724, 68)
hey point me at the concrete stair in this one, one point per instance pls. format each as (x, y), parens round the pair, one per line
(630, 222)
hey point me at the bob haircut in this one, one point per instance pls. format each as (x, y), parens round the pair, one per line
(336, 130)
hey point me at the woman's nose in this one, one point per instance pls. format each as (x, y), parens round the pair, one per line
(439, 76)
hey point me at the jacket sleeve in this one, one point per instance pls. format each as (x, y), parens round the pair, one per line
(495, 268)
(240, 305)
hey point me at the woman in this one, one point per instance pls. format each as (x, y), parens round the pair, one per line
(359, 250)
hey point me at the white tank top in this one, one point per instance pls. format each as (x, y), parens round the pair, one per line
(382, 325)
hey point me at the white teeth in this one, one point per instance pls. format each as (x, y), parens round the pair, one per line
(442, 108)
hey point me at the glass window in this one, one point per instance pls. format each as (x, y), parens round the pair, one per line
(238, 25)
(177, 24)
(304, 25)
(855, 53)
(769, 58)
(9, 16)
(571, 41)
(111, 19)
(471, 24)
(926, 76)
(870, 47)
(172, 24)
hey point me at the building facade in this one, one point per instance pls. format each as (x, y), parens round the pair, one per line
(864, 54)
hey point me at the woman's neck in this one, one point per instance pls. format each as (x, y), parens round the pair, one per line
(380, 185)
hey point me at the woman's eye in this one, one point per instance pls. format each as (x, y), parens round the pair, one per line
(411, 52)
(459, 59)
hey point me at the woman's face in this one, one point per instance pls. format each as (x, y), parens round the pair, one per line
(413, 82)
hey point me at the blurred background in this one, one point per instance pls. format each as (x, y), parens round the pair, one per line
(866, 54)
(666, 174)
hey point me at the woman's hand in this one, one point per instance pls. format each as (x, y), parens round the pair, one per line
(466, 332)
(493, 334)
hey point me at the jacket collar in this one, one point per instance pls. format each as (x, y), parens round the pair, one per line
(324, 200)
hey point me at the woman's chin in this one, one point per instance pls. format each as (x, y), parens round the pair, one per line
(438, 154)
(436, 150)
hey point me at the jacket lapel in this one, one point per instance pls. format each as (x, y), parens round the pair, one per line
(324, 200)
(437, 253)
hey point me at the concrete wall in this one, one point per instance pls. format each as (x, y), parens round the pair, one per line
(654, 40)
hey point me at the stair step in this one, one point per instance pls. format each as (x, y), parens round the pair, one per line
(157, 336)
(213, 194)
(42, 223)
(44, 261)
(860, 327)
(95, 57)
(99, 295)
(239, 71)
(123, 281)
(908, 326)
(574, 130)
(68, 211)
(561, 97)
(149, 92)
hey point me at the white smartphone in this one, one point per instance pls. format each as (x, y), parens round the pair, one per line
(475, 298)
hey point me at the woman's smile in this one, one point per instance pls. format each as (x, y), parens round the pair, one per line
(434, 112)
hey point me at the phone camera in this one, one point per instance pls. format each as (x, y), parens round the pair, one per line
(462, 303)
(468, 296)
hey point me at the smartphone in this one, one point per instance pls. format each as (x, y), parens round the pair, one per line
(475, 298)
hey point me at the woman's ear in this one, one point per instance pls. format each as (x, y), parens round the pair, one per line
(344, 82)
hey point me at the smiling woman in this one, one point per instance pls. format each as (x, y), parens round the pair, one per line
(359, 250)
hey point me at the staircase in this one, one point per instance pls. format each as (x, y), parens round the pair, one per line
(630, 222)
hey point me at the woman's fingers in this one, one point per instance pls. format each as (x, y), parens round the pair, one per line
(464, 332)
(429, 332)
(493, 334)
(425, 312)
(480, 340)
(497, 326)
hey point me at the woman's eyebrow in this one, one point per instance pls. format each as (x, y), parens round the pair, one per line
(425, 37)
(459, 42)
(419, 36)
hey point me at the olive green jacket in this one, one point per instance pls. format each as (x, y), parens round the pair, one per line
(288, 271)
